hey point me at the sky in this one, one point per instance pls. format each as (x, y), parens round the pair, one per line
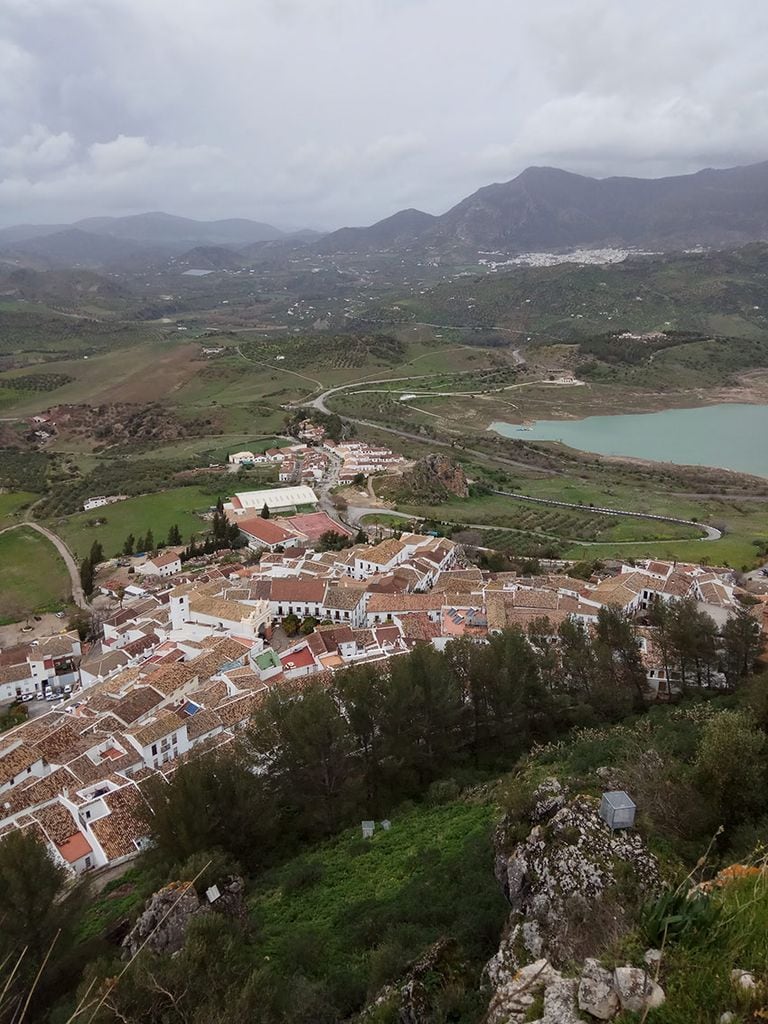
(321, 113)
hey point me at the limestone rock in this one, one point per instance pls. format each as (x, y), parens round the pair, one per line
(636, 989)
(743, 980)
(164, 920)
(652, 957)
(561, 881)
(560, 1003)
(596, 993)
(728, 1017)
(168, 912)
(514, 997)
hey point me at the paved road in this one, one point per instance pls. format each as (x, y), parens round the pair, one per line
(69, 560)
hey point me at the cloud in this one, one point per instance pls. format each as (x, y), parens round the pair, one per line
(340, 111)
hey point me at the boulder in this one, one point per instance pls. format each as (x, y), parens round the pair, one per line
(560, 1003)
(636, 989)
(652, 957)
(596, 994)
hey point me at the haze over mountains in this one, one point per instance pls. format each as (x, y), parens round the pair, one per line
(543, 208)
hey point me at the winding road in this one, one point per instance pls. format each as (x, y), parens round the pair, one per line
(69, 560)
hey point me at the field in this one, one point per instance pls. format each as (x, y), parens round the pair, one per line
(10, 504)
(34, 578)
(157, 512)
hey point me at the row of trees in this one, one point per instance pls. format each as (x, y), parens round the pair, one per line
(376, 734)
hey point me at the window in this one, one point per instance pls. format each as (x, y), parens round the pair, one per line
(88, 862)
(154, 748)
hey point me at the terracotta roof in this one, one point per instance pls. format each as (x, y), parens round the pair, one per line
(297, 588)
(57, 822)
(238, 709)
(136, 703)
(392, 603)
(202, 722)
(119, 832)
(166, 558)
(14, 762)
(159, 727)
(343, 598)
(34, 791)
(265, 530)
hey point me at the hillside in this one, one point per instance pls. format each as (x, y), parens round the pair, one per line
(545, 208)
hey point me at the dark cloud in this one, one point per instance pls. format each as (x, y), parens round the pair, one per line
(325, 112)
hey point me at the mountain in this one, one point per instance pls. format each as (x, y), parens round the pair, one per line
(165, 229)
(61, 287)
(547, 208)
(400, 231)
(211, 257)
(68, 248)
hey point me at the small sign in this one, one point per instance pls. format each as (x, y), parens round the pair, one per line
(213, 893)
(386, 824)
(368, 828)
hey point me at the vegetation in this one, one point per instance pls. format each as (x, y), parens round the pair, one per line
(34, 578)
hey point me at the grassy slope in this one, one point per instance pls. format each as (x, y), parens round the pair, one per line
(157, 512)
(11, 503)
(34, 578)
(363, 909)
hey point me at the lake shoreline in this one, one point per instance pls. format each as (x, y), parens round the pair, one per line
(724, 436)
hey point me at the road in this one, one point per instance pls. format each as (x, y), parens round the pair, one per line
(69, 560)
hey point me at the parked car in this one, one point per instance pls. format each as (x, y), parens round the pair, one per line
(28, 697)
(59, 615)
(67, 689)
(49, 696)
(41, 695)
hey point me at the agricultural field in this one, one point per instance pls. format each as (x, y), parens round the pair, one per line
(178, 506)
(34, 578)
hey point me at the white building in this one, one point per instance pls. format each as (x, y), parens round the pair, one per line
(165, 564)
(279, 499)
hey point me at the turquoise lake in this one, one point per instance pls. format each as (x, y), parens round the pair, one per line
(728, 436)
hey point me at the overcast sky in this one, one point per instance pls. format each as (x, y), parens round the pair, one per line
(329, 112)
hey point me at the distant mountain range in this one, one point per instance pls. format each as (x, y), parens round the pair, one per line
(108, 241)
(541, 209)
(545, 208)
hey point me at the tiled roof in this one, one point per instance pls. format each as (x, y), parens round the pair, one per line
(297, 588)
(343, 598)
(159, 727)
(136, 703)
(14, 762)
(119, 832)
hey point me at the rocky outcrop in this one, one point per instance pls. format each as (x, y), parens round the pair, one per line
(570, 882)
(432, 480)
(572, 885)
(162, 925)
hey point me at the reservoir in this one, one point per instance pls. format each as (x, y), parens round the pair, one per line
(728, 436)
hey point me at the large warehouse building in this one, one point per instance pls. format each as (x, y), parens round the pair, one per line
(279, 499)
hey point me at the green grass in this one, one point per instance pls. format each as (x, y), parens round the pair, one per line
(34, 578)
(353, 912)
(157, 512)
(697, 970)
(11, 503)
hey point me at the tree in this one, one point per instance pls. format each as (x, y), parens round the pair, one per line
(209, 803)
(149, 541)
(265, 513)
(731, 764)
(741, 645)
(40, 913)
(303, 746)
(174, 536)
(86, 576)
(129, 544)
(291, 625)
(96, 554)
(620, 666)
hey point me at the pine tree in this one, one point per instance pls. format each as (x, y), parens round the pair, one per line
(265, 511)
(174, 535)
(141, 544)
(86, 576)
(149, 541)
(97, 553)
(129, 545)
